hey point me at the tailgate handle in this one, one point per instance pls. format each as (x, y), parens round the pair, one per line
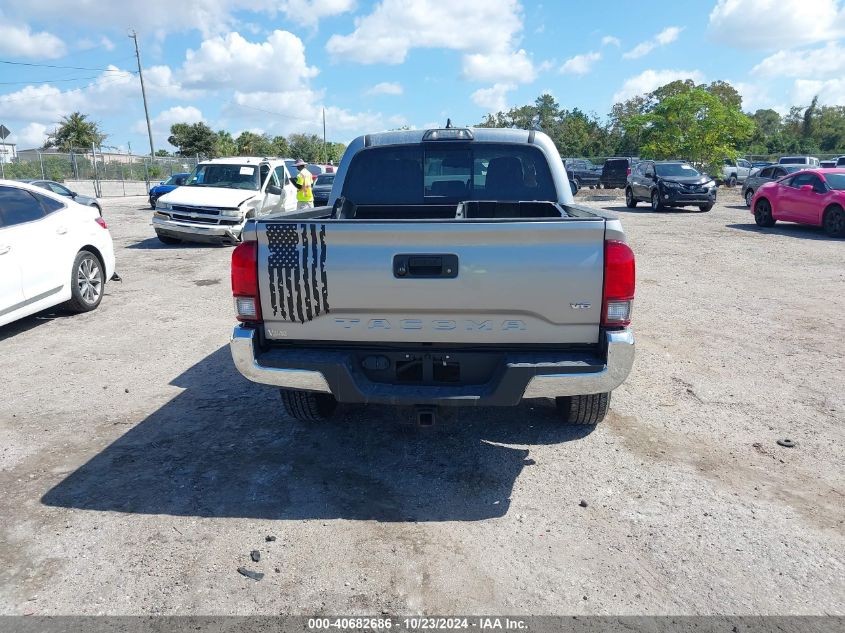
(425, 266)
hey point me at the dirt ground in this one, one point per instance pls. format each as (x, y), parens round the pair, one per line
(138, 469)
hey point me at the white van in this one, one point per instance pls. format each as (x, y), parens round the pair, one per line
(220, 196)
(809, 161)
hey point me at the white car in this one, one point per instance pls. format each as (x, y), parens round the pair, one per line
(52, 251)
(736, 171)
(220, 196)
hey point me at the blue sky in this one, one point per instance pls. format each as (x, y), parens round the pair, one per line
(272, 67)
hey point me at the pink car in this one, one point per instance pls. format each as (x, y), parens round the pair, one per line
(812, 196)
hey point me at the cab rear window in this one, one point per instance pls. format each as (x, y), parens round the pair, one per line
(438, 173)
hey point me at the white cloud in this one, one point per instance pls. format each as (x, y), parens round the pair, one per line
(150, 17)
(830, 92)
(609, 40)
(776, 24)
(30, 136)
(106, 43)
(386, 88)
(485, 30)
(501, 67)
(666, 36)
(493, 99)
(163, 120)
(580, 64)
(310, 12)
(648, 80)
(231, 61)
(818, 62)
(20, 41)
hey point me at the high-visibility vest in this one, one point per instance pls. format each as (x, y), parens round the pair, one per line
(304, 180)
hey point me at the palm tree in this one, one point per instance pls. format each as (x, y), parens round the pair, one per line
(75, 132)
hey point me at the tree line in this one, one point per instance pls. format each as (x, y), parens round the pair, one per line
(703, 123)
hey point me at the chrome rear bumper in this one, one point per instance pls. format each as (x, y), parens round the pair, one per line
(522, 376)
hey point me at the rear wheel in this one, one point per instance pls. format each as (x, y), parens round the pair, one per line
(589, 409)
(166, 239)
(87, 282)
(834, 222)
(630, 202)
(705, 207)
(763, 214)
(153, 200)
(656, 203)
(308, 406)
(749, 196)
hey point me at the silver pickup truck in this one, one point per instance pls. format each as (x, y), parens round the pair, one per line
(449, 269)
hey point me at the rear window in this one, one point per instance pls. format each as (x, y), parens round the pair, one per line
(436, 173)
(793, 160)
(616, 164)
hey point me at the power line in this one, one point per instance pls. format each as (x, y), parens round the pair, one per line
(110, 70)
(50, 81)
(5, 98)
(284, 116)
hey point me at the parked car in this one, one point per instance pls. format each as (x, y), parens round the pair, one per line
(615, 172)
(322, 189)
(583, 172)
(840, 162)
(220, 196)
(813, 196)
(827, 164)
(735, 171)
(669, 184)
(166, 186)
(807, 161)
(515, 292)
(767, 174)
(53, 250)
(60, 189)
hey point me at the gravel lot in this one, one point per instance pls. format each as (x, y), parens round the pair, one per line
(138, 469)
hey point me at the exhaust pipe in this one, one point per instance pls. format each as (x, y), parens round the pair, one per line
(425, 415)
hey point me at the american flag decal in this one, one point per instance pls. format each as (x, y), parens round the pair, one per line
(299, 290)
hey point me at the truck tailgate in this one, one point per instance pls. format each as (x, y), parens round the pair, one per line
(478, 282)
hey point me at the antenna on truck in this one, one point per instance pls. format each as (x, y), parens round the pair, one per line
(448, 124)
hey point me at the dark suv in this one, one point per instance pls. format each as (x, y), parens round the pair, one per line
(614, 174)
(669, 184)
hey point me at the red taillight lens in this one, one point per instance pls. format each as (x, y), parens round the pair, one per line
(101, 222)
(619, 281)
(245, 281)
(628, 171)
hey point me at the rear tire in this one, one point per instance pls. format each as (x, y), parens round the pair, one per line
(153, 201)
(308, 406)
(630, 201)
(166, 239)
(834, 222)
(578, 410)
(704, 208)
(87, 282)
(763, 214)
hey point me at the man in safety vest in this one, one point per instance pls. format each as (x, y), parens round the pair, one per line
(303, 183)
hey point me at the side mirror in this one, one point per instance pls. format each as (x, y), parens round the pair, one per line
(73, 194)
(274, 189)
(806, 188)
(161, 182)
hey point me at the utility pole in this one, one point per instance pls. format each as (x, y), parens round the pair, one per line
(134, 36)
(324, 137)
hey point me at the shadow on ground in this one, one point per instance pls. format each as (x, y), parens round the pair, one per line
(154, 244)
(801, 231)
(223, 448)
(644, 208)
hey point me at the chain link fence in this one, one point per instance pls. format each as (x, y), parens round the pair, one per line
(95, 173)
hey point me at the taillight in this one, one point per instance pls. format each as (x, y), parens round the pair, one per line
(101, 222)
(245, 281)
(619, 281)
(628, 171)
